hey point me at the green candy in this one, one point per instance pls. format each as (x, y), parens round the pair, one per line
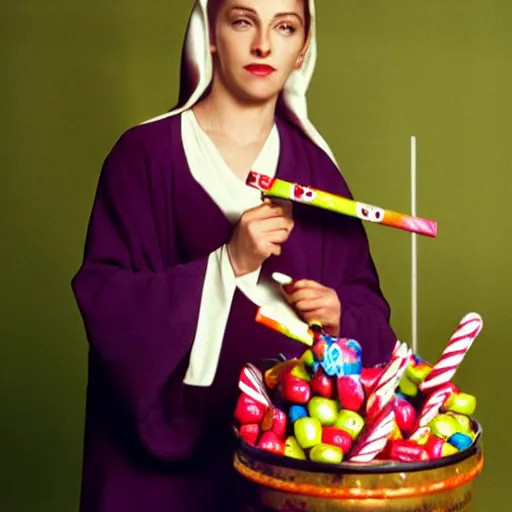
(308, 358)
(461, 403)
(407, 387)
(292, 449)
(308, 432)
(350, 421)
(444, 425)
(464, 421)
(300, 372)
(418, 373)
(325, 409)
(326, 453)
(448, 450)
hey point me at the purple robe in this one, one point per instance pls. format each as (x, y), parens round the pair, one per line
(152, 443)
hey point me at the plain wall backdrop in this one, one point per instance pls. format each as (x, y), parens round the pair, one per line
(75, 75)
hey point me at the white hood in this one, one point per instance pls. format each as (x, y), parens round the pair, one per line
(196, 74)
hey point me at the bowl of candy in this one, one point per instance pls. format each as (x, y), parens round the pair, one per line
(322, 433)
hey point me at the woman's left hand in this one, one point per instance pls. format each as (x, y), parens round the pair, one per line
(314, 302)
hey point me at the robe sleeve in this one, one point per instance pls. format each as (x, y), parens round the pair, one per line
(139, 312)
(365, 313)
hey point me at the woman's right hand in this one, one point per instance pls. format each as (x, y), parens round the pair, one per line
(259, 234)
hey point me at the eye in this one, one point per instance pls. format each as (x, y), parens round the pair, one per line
(287, 28)
(241, 23)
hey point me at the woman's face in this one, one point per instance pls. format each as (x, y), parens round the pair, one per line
(258, 44)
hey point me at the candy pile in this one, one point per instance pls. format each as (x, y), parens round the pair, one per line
(324, 407)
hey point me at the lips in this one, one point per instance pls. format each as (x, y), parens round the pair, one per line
(260, 69)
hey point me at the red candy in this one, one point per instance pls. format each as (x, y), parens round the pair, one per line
(322, 384)
(350, 392)
(405, 415)
(406, 451)
(337, 437)
(434, 447)
(250, 432)
(295, 390)
(275, 420)
(271, 443)
(248, 410)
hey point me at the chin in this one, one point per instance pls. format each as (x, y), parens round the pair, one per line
(259, 93)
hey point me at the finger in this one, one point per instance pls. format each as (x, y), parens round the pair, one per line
(309, 305)
(275, 250)
(271, 224)
(269, 210)
(308, 283)
(316, 315)
(303, 294)
(285, 205)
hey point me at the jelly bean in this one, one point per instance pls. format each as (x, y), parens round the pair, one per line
(444, 426)
(460, 441)
(461, 403)
(326, 453)
(407, 451)
(407, 387)
(418, 373)
(350, 421)
(448, 449)
(296, 412)
(464, 421)
(308, 358)
(350, 392)
(434, 447)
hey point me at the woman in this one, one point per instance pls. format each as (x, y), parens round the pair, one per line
(178, 257)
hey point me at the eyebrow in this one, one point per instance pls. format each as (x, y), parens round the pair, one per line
(278, 15)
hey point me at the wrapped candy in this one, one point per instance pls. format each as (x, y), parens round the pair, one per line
(275, 187)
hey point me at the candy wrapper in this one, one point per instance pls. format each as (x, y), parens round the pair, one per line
(325, 407)
(275, 187)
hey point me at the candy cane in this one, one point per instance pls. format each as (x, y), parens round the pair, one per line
(460, 342)
(433, 404)
(376, 438)
(251, 383)
(385, 387)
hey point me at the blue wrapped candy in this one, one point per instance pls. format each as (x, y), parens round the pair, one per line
(342, 357)
(460, 441)
(296, 412)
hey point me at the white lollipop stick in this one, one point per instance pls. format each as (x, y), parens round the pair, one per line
(414, 253)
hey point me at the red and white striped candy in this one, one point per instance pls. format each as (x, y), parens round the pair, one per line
(251, 383)
(385, 387)
(460, 342)
(433, 404)
(375, 439)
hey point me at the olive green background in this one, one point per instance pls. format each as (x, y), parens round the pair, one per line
(77, 74)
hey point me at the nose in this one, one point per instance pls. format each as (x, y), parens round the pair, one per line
(261, 45)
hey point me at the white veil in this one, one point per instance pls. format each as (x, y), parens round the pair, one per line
(196, 74)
